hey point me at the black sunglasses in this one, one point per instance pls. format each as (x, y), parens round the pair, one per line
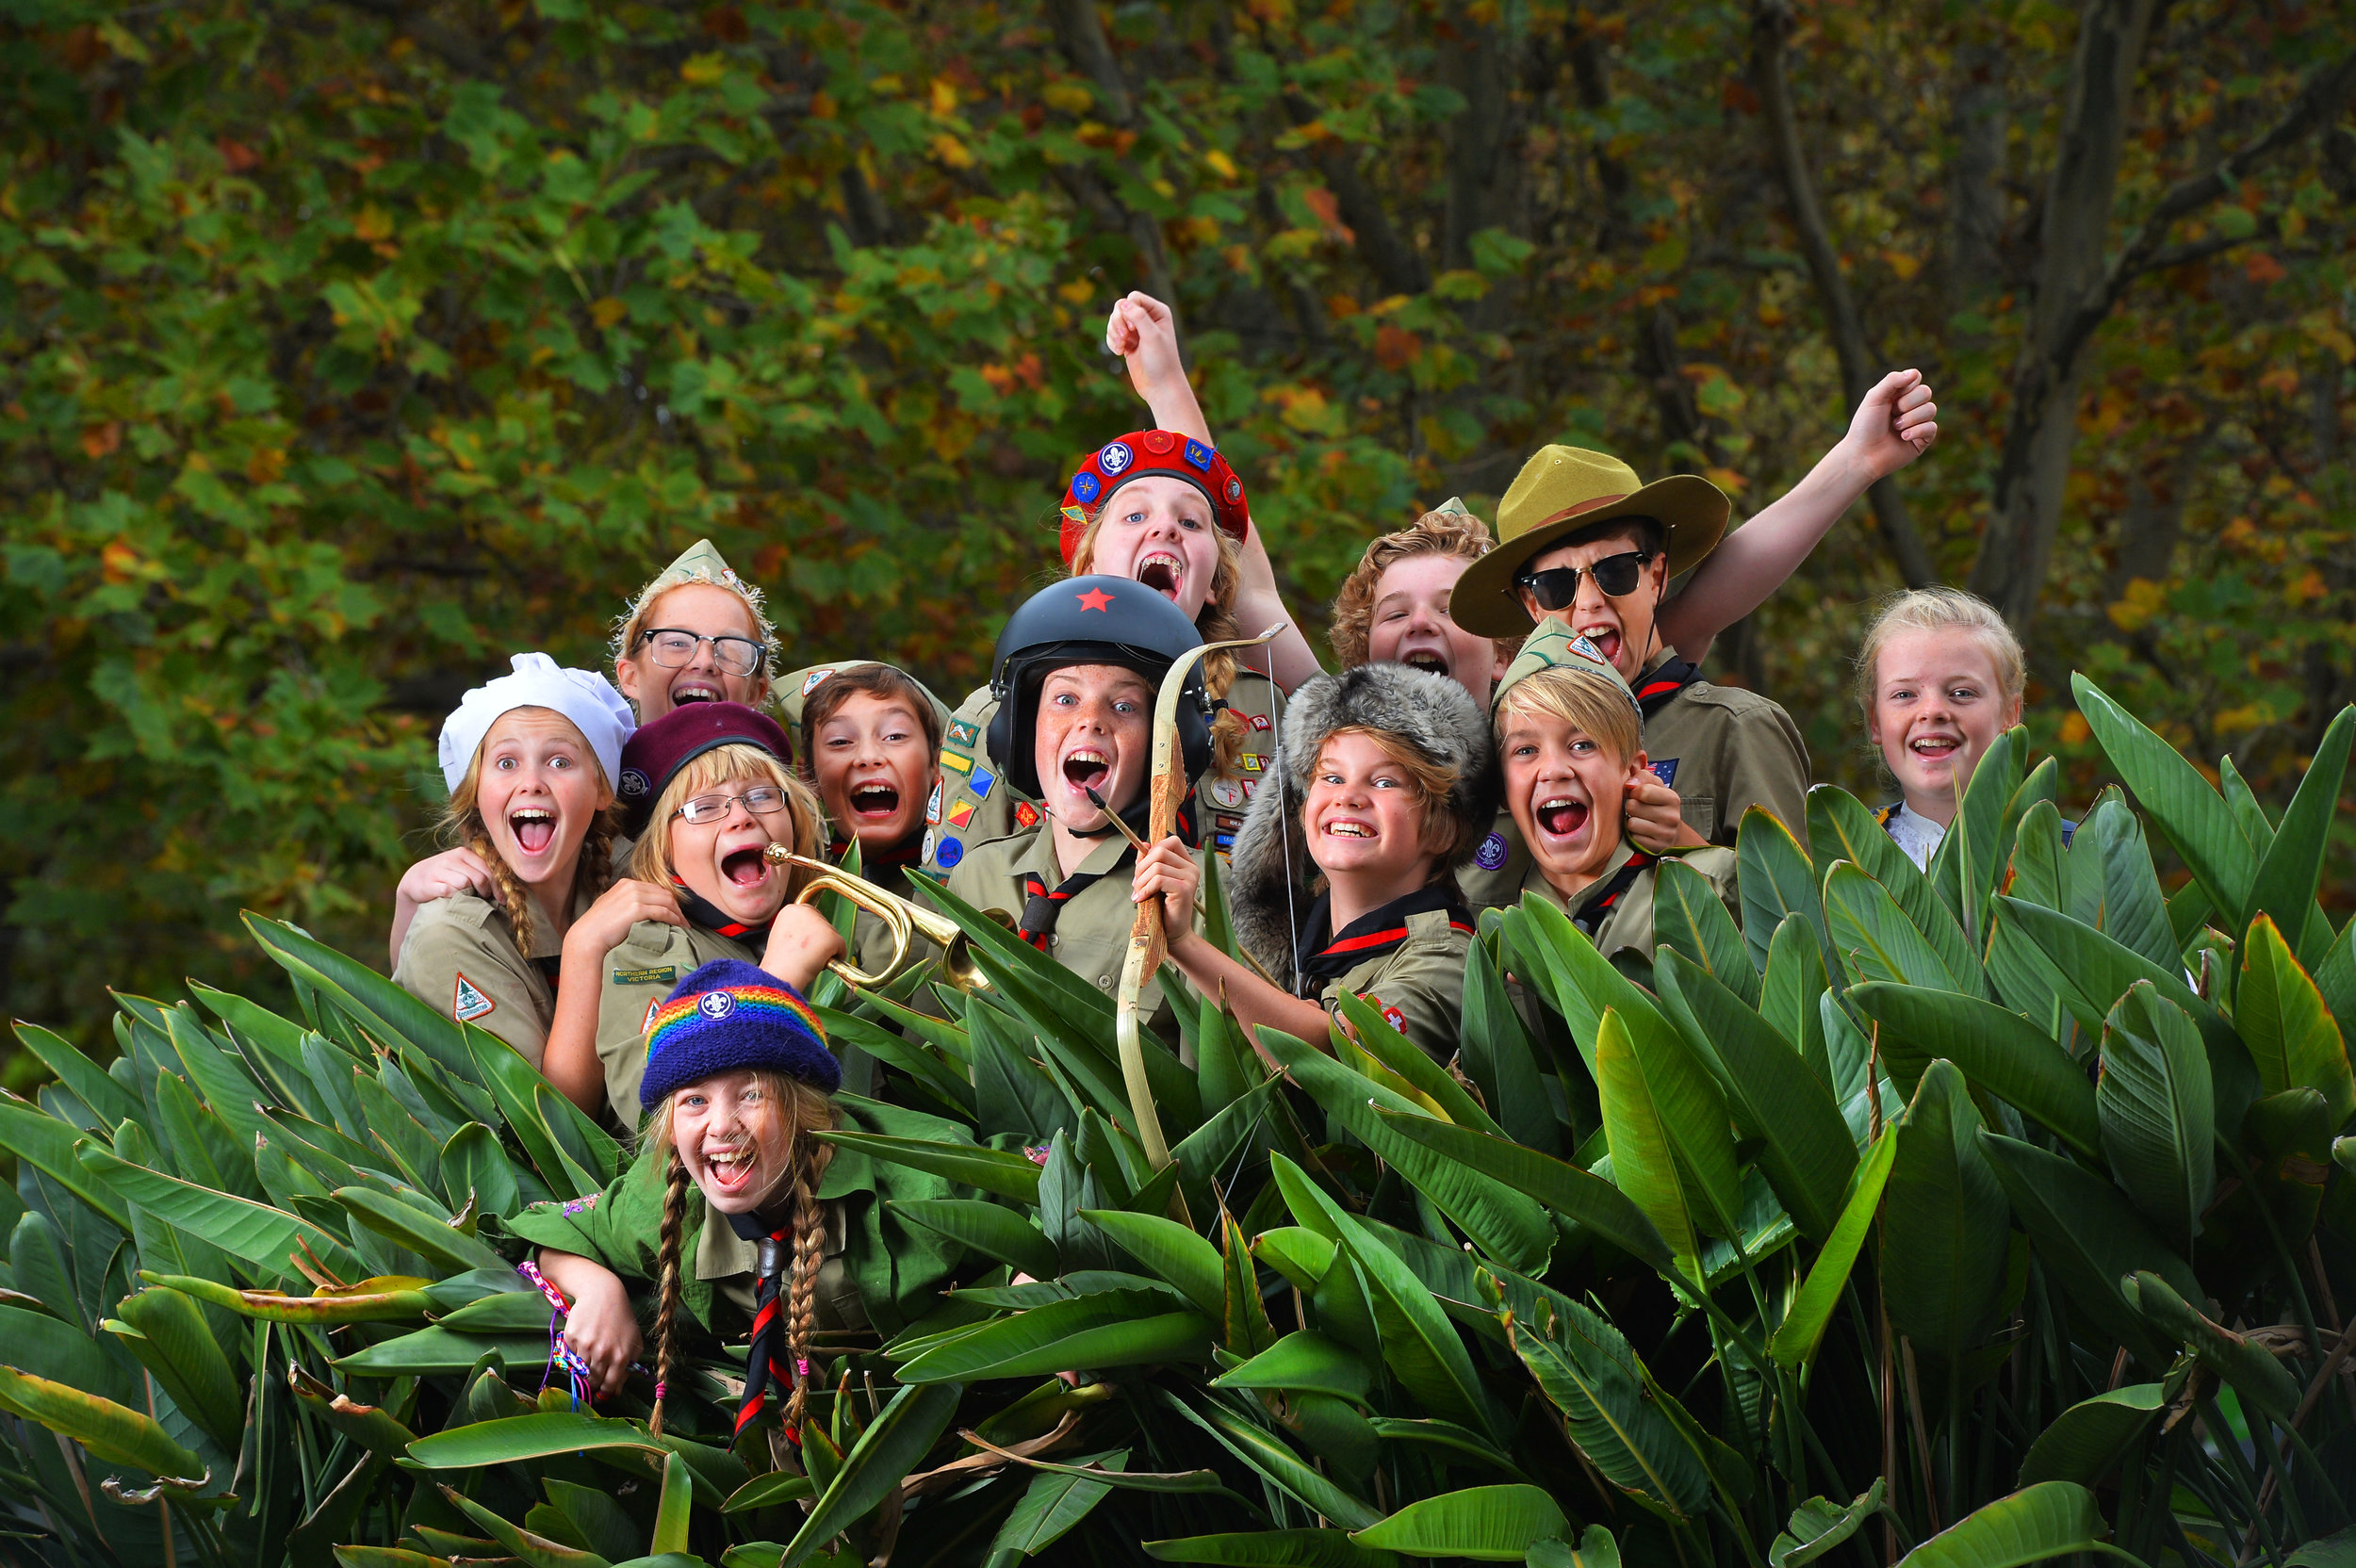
(1557, 586)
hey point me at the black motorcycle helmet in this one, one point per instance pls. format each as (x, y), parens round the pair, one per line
(1090, 620)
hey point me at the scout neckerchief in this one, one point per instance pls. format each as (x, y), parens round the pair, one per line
(1042, 906)
(1370, 935)
(1589, 919)
(1661, 687)
(766, 1365)
(712, 917)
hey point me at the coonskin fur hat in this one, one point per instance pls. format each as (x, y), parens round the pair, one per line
(1269, 874)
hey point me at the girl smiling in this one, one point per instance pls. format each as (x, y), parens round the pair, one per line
(1939, 675)
(529, 758)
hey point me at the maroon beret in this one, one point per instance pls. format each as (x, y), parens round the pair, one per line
(654, 754)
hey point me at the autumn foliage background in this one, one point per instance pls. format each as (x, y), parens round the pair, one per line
(345, 348)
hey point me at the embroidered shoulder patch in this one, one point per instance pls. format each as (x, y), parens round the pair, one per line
(1492, 853)
(1665, 770)
(666, 975)
(467, 1003)
(647, 1022)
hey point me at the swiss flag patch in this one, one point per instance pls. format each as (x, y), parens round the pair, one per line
(467, 1003)
(1396, 1019)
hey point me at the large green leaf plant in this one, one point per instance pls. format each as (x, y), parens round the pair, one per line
(1979, 1215)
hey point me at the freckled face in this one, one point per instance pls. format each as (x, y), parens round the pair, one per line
(1158, 532)
(1566, 792)
(1093, 731)
(1411, 624)
(873, 769)
(732, 1140)
(1939, 705)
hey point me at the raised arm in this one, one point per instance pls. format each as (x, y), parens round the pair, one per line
(1896, 423)
(1141, 329)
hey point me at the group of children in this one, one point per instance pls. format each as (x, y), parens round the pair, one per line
(1514, 717)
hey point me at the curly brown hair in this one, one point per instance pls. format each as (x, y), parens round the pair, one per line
(1447, 531)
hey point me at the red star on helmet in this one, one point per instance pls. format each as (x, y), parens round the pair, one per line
(1095, 598)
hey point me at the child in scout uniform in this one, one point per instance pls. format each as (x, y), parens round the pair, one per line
(1581, 540)
(1940, 677)
(789, 1238)
(1075, 675)
(1344, 878)
(871, 735)
(1570, 738)
(696, 633)
(1394, 605)
(529, 759)
(705, 790)
(1162, 509)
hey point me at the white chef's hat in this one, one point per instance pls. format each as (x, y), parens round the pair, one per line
(584, 696)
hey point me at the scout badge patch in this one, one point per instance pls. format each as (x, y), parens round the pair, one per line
(467, 1003)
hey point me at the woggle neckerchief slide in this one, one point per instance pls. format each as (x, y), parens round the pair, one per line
(1149, 942)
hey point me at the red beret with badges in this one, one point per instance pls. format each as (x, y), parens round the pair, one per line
(1144, 452)
(654, 754)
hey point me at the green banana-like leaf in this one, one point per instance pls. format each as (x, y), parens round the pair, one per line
(2051, 1519)
(1489, 1524)
(382, 1008)
(1579, 1196)
(1819, 1524)
(1306, 1361)
(1374, 1035)
(86, 1078)
(369, 1426)
(177, 1345)
(2088, 1237)
(2284, 886)
(516, 1085)
(674, 1506)
(408, 1227)
(1273, 1460)
(935, 1076)
(475, 1166)
(1999, 1051)
(1053, 1502)
(2085, 1440)
(1589, 1372)
(439, 1350)
(386, 1557)
(113, 1433)
(1497, 1053)
(1946, 1230)
(2292, 1036)
(2039, 869)
(1972, 855)
(2249, 1369)
(1787, 993)
(1874, 936)
(1697, 1126)
(528, 1547)
(1777, 882)
(1688, 917)
(1007, 1174)
(1596, 1549)
(1273, 1549)
(1641, 1164)
(544, 1433)
(1802, 1328)
(377, 1301)
(263, 1235)
(506, 1312)
(2158, 1112)
(1805, 1147)
(991, 1229)
(1840, 828)
(48, 1145)
(1110, 1329)
(2113, 886)
(2189, 812)
(1170, 1252)
(1585, 983)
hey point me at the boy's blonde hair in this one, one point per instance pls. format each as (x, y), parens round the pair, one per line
(1447, 531)
(1589, 703)
(650, 856)
(1940, 610)
(1216, 623)
(461, 825)
(805, 1110)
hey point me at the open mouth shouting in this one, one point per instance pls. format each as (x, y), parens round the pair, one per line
(1560, 817)
(1161, 571)
(746, 868)
(1085, 767)
(728, 1169)
(1430, 661)
(1606, 638)
(534, 828)
(696, 688)
(875, 800)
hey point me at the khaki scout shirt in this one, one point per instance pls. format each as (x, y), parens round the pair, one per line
(638, 975)
(1418, 987)
(1724, 750)
(1626, 927)
(977, 805)
(1091, 935)
(730, 1265)
(460, 959)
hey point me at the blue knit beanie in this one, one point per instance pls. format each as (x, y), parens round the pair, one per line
(729, 1017)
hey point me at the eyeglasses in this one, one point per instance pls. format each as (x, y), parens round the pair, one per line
(1557, 586)
(674, 650)
(762, 800)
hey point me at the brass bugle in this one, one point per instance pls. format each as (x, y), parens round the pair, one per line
(904, 919)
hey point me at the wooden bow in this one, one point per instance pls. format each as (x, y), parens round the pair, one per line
(1149, 944)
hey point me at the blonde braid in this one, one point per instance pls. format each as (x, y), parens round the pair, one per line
(809, 1256)
(674, 1220)
(515, 901)
(594, 871)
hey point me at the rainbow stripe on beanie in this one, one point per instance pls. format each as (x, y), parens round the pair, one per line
(729, 1016)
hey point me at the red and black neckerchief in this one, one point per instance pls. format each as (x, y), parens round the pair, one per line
(768, 1365)
(1591, 918)
(1042, 906)
(703, 912)
(1321, 957)
(1660, 688)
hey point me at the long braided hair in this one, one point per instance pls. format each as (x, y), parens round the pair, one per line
(462, 824)
(800, 1109)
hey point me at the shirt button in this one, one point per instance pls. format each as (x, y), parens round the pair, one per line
(1106, 981)
(1054, 939)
